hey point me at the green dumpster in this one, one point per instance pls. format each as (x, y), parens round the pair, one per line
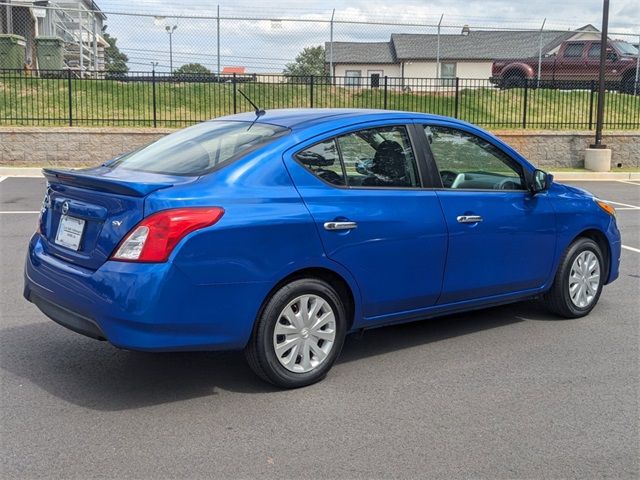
(50, 52)
(12, 49)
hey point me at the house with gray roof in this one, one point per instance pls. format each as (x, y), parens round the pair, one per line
(467, 55)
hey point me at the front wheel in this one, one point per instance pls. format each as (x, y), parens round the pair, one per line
(298, 335)
(628, 85)
(579, 279)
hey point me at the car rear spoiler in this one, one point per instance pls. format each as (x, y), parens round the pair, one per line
(88, 179)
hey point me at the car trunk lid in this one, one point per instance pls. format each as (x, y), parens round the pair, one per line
(86, 213)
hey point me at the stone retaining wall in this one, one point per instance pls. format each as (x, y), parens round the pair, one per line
(552, 149)
(77, 146)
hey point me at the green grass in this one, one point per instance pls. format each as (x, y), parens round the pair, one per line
(37, 101)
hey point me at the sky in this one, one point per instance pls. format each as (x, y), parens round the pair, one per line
(255, 40)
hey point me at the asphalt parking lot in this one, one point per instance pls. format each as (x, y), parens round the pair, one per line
(509, 392)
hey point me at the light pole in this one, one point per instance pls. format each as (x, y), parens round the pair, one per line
(170, 30)
(598, 156)
(601, 75)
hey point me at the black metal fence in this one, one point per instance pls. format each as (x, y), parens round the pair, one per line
(62, 97)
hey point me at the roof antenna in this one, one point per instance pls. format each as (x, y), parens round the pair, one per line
(259, 111)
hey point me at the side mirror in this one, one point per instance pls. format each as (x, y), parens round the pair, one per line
(611, 54)
(540, 181)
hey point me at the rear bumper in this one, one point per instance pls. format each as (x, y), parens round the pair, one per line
(66, 318)
(151, 307)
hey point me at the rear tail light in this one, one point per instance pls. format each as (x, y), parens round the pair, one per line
(155, 237)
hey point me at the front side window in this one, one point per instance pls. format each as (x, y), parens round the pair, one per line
(466, 161)
(322, 160)
(594, 52)
(198, 149)
(379, 157)
(574, 50)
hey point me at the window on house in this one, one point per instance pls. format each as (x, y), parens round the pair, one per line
(448, 73)
(353, 78)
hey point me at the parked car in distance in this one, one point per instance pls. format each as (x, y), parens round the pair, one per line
(279, 234)
(575, 66)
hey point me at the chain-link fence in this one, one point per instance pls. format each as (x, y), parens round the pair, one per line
(73, 63)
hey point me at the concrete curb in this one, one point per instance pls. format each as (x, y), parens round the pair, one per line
(595, 176)
(20, 172)
(560, 176)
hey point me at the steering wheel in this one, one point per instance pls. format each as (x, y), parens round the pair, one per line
(448, 177)
(507, 184)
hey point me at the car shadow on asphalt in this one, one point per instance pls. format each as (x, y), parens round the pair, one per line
(96, 375)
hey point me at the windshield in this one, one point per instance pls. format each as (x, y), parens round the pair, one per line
(626, 48)
(197, 150)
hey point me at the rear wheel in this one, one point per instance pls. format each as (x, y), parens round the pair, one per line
(579, 279)
(514, 80)
(628, 85)
(299, 334)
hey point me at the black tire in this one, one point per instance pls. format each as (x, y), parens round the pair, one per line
(513, 80)
(628, 85)
(260, 352)
(558, 299)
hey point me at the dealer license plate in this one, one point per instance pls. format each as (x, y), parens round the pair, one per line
(70, 232)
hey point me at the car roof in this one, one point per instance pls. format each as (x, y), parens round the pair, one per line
(296, 118)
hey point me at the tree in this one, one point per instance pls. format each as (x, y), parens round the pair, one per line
(192, 68)
(308, 62)
(115, 61)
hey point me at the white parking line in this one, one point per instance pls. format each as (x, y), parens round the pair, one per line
(20, 211)
(630, 182)
(633, 207)
(2, 178)
(631, 249)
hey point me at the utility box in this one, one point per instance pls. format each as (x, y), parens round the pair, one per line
(12, 48)
(50, 53)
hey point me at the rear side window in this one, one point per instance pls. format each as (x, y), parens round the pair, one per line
(372, 157)
(574, 50)
(323, 161)
(199, 149)
(379, 157)
(594, 50)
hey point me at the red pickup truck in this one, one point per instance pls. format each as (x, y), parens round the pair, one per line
(575, 65)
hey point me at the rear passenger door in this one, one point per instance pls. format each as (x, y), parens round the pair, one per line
(363, 190)
(571, 64)
(501, 238)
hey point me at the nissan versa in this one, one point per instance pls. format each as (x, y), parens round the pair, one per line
(280, 232)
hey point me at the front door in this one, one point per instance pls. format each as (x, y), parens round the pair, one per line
(362, 189)
(374, 78)
(501, 238)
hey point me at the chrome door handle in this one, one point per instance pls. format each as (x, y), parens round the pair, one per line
(469, 218)
(340, 225)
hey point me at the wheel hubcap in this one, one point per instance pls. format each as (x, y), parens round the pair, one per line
(584, 279)
(304, 333)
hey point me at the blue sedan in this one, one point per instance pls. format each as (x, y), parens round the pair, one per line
(278, 233)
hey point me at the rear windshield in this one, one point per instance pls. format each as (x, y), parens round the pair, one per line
(199, 149)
